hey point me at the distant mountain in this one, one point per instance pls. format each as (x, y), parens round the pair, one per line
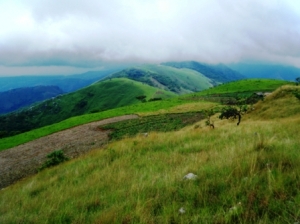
(168, 78)
(68, 83)
(97, 97)
(17, 98)
(218, 73)
(269, 71)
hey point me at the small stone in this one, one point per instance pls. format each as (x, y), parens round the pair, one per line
(190, 176)
(181, 210)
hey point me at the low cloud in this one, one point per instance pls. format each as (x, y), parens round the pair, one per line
(89, 33)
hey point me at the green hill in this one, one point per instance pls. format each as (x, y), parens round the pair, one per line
(179, 81)
(100, 96)
(218, 94)
(217, 73)
(246, 86)
(244, 174)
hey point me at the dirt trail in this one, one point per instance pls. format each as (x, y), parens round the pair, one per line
(24, 160)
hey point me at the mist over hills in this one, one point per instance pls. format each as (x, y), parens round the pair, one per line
(269, 71)
(177, 77)
(67, 83)
(219, 73)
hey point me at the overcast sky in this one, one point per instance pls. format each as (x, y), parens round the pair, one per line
(64, 36)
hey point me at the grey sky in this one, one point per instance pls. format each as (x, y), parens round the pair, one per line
(51, 36)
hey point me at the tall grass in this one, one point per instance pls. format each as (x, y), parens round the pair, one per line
(245, 174)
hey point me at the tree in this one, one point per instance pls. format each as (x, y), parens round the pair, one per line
(231, 112)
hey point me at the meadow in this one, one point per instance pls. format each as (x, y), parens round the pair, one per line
(244, 174)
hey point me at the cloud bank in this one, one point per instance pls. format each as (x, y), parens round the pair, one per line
(87, 34)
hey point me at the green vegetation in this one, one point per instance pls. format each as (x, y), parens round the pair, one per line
(248, 86)
(233, 93)
(179, 81)
(184, 103)
(54, 158)
(245, 174)
(98, 97)
(217, 73)
(164, 106)
(161, 123)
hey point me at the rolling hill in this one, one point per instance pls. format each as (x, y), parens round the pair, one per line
(17, 98)
(97, 97)
(217, 73)
(165, 80)
(179, 81)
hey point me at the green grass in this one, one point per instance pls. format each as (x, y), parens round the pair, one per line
(162, 123)
(245, 174)
(164, 106)
(192, 79)
(176, 80)
(246, 85)
(98, 97)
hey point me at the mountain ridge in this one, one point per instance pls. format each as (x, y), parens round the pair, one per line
(21, 97)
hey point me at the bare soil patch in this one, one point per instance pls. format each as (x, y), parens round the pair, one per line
(24, 160)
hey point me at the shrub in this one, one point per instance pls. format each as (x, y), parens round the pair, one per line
(54, 158)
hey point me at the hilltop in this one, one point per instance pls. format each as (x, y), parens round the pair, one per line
(219, 73)
(244, 174)
(179, 81)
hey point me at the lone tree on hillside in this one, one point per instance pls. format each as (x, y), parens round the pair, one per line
(231, 112)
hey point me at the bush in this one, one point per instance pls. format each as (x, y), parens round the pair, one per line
(54, 158)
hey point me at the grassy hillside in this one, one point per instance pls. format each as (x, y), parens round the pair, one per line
(246, 86)
(100, 96)
(245, 174)
(232, 92)
(185, 103)
(168, 78)
(218, 73)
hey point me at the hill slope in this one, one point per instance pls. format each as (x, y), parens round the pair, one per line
(179, 81)
(14, 99)
(218, 73)
(143, 179)
(97, 97)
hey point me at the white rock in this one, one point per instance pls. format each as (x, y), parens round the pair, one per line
(181, 210)
(190, 176)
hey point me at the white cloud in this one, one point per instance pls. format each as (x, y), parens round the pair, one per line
(85, 33)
